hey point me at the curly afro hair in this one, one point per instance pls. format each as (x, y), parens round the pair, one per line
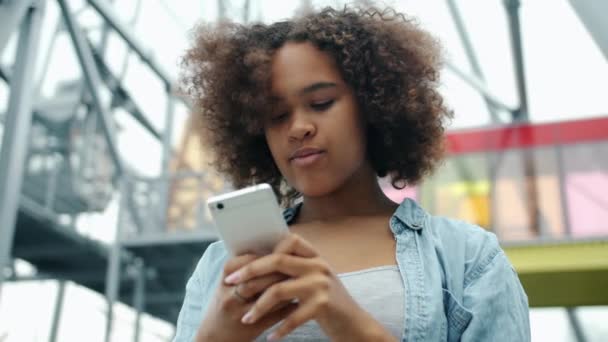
(391, 64)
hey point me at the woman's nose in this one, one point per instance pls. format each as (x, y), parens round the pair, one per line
(302, 128)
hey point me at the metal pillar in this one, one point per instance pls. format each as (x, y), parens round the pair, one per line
(576, 325)
(166, 161)
(57, 312)
(47, 57)
(470, 52)
(16, 130)
(561, 176)
(221, 9)
(11, 15)
(92, 79)
(522, 115)
(246, 11)
(112, 285)
(51, 184)
(139, 297)
(512, 7)
(113, 270)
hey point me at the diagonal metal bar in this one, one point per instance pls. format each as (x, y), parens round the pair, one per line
(471, 56)
(478, 85)
(592, 14)
(58, 310)
(111, 19)
(132, 23)
(116, 87)
(92, 79)
(5, 74)
(107, 13)
(576, 325)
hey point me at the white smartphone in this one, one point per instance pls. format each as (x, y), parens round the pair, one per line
(248, 220)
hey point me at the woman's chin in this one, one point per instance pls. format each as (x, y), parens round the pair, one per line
(314, 189)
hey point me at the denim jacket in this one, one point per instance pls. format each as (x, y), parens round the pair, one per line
(459, 284)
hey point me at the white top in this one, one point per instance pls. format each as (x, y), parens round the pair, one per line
(378, 290)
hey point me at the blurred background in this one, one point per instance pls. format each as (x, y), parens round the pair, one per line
(103, 180)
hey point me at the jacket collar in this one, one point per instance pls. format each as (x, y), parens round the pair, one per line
(409, 213)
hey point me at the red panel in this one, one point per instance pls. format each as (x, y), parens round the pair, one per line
(527, 135)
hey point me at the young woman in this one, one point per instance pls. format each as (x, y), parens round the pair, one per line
(320, 107)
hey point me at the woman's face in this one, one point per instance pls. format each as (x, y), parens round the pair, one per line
(314, 130)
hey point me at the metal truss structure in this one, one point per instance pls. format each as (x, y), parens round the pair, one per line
(59, 158)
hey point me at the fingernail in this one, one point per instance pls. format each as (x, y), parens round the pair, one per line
(233, 278)
(248, 318)
(272, 337)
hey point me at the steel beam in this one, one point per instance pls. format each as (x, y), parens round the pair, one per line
(113, 271)
(576, 325)
(83, 277)
(470, 52)
(112, 286)
(166, 162)
(139, 296)
(512, 7)
(93, 80)
(16, 130)
(592, 14)
(4, 74)
(561, 176)
(119, 92)
(57, 312)
(522, 115)
(480, 86)
(205, 235)
(164, 298)
(40, 251)
(11, 16)
(105, 10)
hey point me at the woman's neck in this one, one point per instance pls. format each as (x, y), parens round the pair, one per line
(361, 195)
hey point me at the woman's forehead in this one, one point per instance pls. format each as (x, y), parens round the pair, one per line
(301, 67)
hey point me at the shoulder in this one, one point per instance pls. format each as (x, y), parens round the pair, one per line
(446, 231)
(466, 244)
(474, 240)
(457, 242)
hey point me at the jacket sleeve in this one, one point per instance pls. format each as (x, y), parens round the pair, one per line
(197, 295)
(495, 299)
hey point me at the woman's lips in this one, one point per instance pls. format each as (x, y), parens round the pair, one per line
(307, 159)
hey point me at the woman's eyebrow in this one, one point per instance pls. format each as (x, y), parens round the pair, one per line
(317, 86)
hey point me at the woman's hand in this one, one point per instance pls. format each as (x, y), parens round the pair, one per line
(318, 291)
(223, 319)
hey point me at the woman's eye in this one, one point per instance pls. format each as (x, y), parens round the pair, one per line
(321, 106)
(278, 118)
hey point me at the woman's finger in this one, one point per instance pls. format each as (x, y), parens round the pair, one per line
(304, 313)
(251, 288)
(277, 315)
(237, 262)
(296, 245)
(290, 265)
(298, 288)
